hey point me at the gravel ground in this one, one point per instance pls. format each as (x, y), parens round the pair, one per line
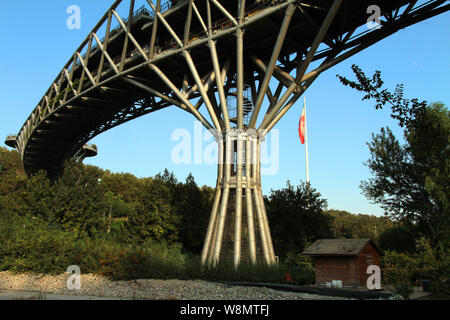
(95, 285)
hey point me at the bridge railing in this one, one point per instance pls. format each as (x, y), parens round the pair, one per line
(218, 25)
(139, 12)
(166, 5)
(170, 44)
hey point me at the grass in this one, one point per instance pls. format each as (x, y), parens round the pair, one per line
(166, 263)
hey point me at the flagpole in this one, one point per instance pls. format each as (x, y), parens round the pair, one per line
(306, 142)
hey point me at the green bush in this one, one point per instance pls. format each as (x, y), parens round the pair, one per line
(440, 282)
(246, 271)
(393, 261)
(441, 287)
(158, 261)
(299, 260)
(35, 246)
(31, 245)
(151, 260)
(428, 262)
(261, 272)
(402, 283)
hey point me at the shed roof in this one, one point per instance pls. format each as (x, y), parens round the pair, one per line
(339, 247)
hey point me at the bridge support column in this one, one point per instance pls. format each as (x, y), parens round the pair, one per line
(238, 228)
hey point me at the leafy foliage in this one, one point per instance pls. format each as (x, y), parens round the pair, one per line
(194, 206)
(296, 216)
(126, 228)
(12, 174)
(32, 245)
(405, 111)
(404, 270)
(398, 238)
(410, 181)
(360, 226)
(78, 201)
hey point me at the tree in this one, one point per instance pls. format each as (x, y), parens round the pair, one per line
(123, 185)
(167, 177)
(410, 180)
(398, 238)
(74, 201)
(116, 207)
(12, 174)
(35, 199)
(79, 201)
(296, 217)
(405, 111)
(155, 218)
(347, 226)
(194, 206)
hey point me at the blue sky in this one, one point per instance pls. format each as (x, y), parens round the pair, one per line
(36, 44)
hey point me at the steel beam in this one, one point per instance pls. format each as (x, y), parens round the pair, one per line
(271, 67)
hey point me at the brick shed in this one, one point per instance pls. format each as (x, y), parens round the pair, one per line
(343, 259)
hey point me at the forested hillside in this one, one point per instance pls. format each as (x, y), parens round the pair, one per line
(93, 202)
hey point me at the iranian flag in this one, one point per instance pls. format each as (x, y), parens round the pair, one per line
(303, 133)
(302, 126)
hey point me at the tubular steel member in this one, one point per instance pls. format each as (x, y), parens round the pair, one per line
(241, 151)
(248, 197)
(201, 56)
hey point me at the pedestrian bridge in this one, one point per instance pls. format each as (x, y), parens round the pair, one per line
(214, 59)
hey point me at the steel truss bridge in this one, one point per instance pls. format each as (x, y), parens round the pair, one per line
(214, 59)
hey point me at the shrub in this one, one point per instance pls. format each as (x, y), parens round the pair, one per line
(151, 260)
(299, 260)
(31, 245)
(246, 271)
(440, 283)
(401, 282)
(157, 261)
(427, 263)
